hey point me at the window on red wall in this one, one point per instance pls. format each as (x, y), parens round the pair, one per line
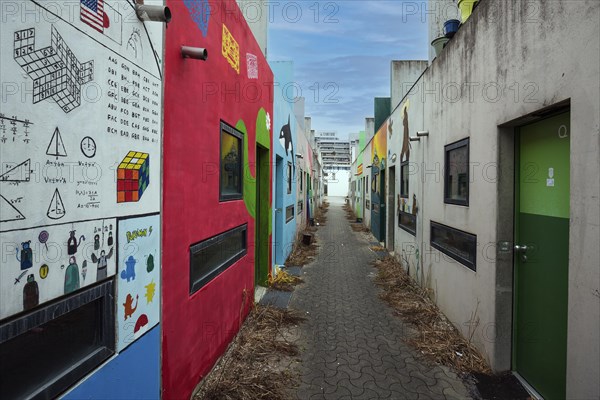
(214, 255)
(231, 163)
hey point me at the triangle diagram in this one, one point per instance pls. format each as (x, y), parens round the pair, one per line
(8, 212)
(18, 173)
(56, 147)
(56, 209)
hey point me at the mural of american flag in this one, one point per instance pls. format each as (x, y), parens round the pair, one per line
(92, 13)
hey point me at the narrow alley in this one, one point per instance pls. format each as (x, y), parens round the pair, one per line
(354, 345)
(278, 200)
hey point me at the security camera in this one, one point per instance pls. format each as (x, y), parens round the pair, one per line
(153, 13)
(197, 53)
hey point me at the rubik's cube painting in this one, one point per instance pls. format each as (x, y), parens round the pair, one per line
(133, 176)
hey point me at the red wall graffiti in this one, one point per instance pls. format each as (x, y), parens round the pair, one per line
(198, 94)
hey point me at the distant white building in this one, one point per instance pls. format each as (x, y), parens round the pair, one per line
(336, 156)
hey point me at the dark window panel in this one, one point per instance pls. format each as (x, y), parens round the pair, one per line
(212, 256)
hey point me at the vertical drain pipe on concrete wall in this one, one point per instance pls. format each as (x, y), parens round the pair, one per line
(421, 252)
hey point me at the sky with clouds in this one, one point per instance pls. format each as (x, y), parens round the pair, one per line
(342, 52)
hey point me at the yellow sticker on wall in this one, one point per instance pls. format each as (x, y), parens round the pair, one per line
(231, 49)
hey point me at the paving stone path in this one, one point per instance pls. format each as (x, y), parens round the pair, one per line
(351, 343)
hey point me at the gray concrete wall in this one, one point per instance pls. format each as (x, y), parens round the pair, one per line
(436, 12)
(369, 128)
(506, 63)
(403, 74)
(256, 13)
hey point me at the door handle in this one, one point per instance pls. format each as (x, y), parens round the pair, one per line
(519, 248)
(278, 210)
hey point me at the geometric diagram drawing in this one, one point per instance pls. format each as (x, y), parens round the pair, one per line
(56, 209)
(252, 66)
(200, 12)
(55, 70)
(88, 147)
(230, 49)
(9, 212)
(17, 173)
(133, 177)
(56, 147)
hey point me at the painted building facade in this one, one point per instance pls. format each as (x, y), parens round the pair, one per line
(496, 201)
(284, 163)
(80, 224)
(217, 197)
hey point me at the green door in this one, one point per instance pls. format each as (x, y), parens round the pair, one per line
(542, 255)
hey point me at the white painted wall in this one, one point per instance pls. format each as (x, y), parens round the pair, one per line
(404, 73)
(59, 165)
(337, 186)
(551, 57)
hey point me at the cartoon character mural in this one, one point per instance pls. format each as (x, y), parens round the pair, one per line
(143, 235)
(141, 322)
(72, 276)
(150, 263)
(128, 305)
(405, 153)
(285, 138)
(102, 263)
(31, 293)
(72, 243)
(129, 272)
(54, 269)
(26, 258)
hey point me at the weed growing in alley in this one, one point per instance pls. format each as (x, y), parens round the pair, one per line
(436, 337)
(258, 364)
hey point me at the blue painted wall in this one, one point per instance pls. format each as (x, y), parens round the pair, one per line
(133, 374)
(283, 110)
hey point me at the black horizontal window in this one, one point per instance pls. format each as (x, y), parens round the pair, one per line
(214, 255)
(46, 351)
(460, 245)
(408, 222)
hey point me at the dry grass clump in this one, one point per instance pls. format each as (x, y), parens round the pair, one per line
(350, 215)
(436, 338)
(284, 281)
(302, 254)
(377, 248)
(320, 217)
(359, 227)
(257, 363)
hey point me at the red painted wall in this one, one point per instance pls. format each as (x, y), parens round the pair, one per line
(197, 328)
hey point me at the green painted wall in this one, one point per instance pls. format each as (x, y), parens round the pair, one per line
(547, 155)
